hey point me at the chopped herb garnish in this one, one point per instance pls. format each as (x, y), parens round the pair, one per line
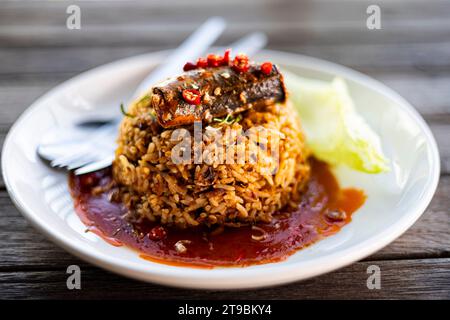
(145, 98)
(122, 109)
(228, 119)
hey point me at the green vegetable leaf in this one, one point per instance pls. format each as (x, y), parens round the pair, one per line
(122, 109)
(228, 119)
(335, 132)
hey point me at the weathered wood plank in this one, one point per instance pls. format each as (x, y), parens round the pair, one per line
(430, 58)
(43, 23)
(280, 33)
(429, 94)
(412, 279)
(24, 246)
(441, 133)
(155, 11)
(37, 12)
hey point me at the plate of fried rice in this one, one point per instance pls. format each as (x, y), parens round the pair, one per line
(234, 173)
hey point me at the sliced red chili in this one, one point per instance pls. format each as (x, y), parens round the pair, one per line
(157, 233)
(191, 96)
(214, 60)
(189, 66)
(266, 68)
(226, 57)
(202, 63)
(240, 63)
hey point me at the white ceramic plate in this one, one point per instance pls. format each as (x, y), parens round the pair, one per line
(395, 199)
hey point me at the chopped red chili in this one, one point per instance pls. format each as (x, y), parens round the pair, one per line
(226, 57)
(189, 66)
(191, 96)
(240, 63)
(202, 63)
(214, 60)
(157, 233)
(266, 67)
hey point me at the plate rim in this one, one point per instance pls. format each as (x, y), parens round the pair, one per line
(243, 278)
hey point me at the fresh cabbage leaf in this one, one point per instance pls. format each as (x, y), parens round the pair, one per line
(335, 132)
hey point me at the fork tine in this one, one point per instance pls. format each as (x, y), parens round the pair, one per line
(69, 159)
(94, 166)
(105, 132)
(81, 162)
(83, 157)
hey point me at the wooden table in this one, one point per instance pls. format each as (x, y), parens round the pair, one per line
(411, 54)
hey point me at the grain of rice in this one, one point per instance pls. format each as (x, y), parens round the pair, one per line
(188, 195)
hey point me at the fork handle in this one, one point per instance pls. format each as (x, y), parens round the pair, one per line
(189, 50)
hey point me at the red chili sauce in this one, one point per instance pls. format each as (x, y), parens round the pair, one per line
(286, 234)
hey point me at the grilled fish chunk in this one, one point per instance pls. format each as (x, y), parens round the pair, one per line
(223, 92)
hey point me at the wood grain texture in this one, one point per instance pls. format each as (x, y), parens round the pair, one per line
(409, 54)
(308, 22)
(411, 279)
(420, 57)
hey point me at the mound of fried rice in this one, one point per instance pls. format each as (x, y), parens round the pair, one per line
(210, 193)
